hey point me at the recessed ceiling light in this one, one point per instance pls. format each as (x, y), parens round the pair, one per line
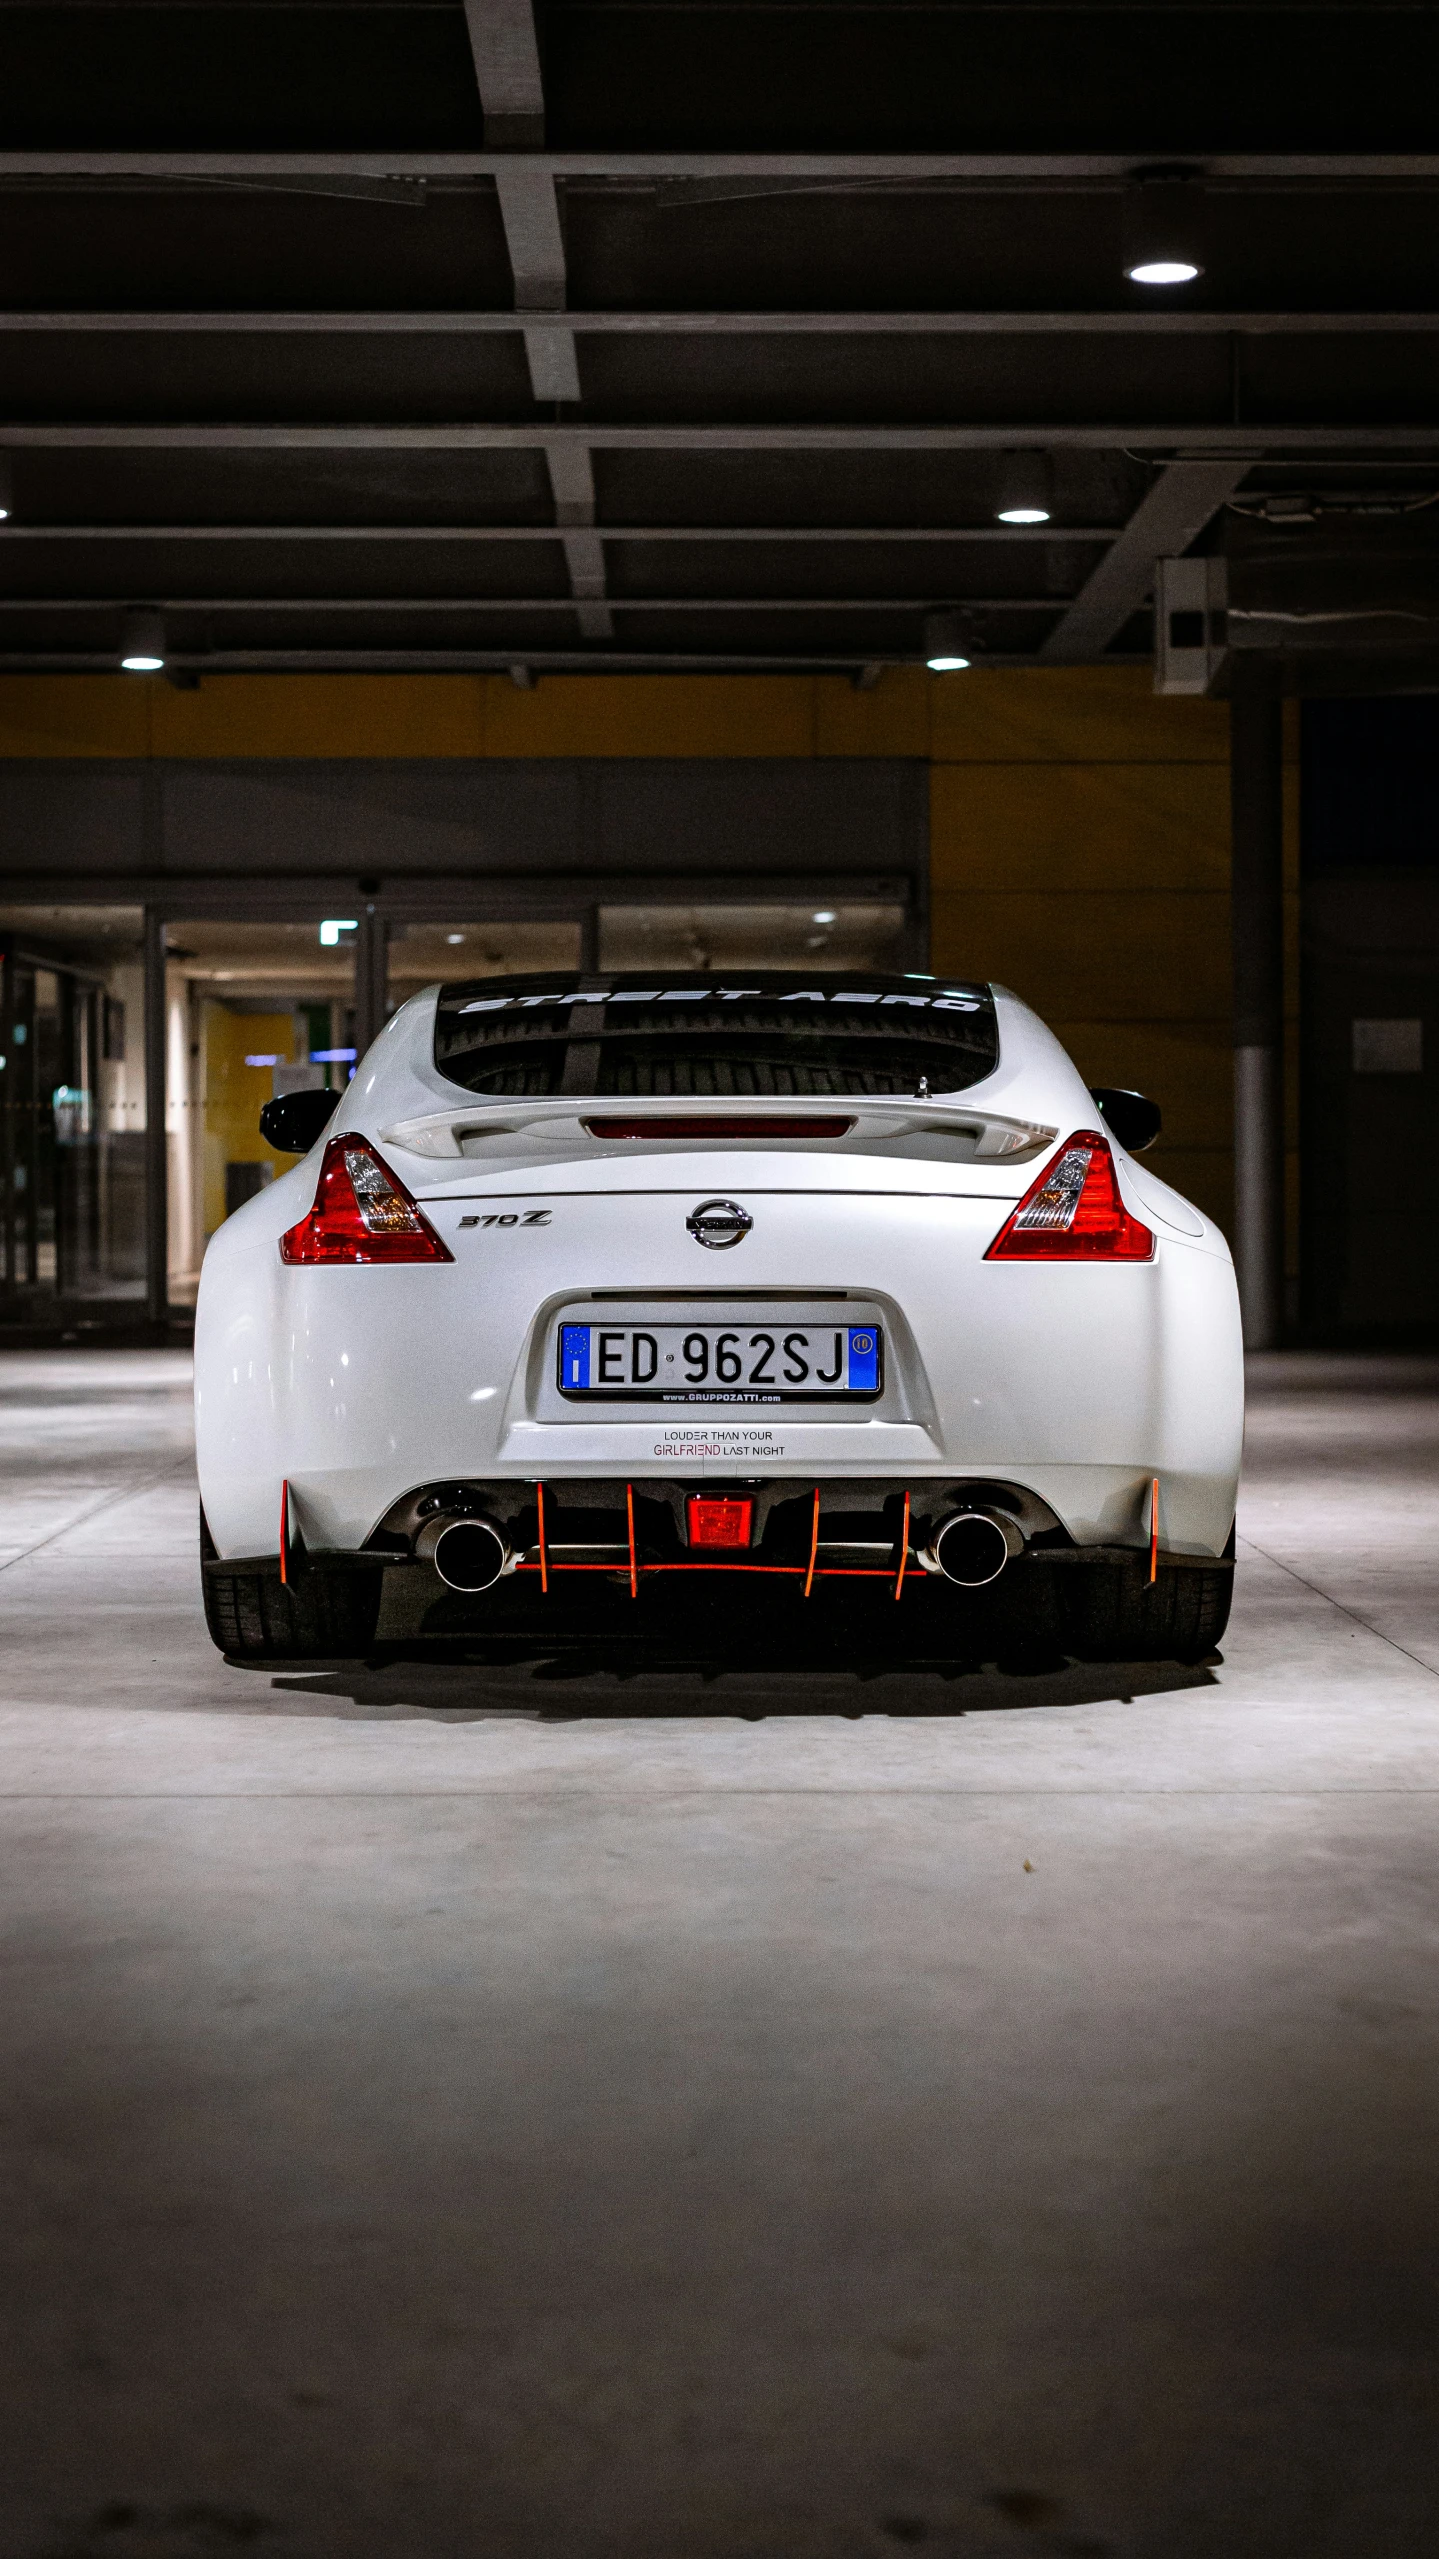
(142, 640)
(1024, 490)
(453, 938)
(1163, 271)
(945, 635)
(824, 915)
(1164, 216)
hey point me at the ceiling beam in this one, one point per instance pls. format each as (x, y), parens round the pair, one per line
(1161, 440)
(530, 212)
(1174, 514)
(534, 240)
(1112, 169)
(505, 43)
(450, 534)
(499, 661)
(544, 268)
(572, 480)
(507, 67)
(525, 604)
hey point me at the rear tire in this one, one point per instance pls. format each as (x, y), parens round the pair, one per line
(255, 1617)
(1119, 1615)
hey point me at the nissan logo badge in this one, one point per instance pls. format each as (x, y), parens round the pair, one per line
(719, 1223)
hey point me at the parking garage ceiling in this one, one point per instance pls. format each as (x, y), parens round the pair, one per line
(367, 334)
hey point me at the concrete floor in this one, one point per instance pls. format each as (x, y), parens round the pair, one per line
(719, 2114)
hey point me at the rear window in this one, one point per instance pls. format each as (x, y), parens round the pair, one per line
(762, 1036)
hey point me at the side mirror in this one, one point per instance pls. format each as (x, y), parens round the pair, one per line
(293, 1121)
(1135, 1120)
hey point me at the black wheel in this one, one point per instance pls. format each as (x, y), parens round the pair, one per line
(255, 1617)
(1119, 1615)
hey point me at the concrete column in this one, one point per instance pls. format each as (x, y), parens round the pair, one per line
(372, 970)
(157, 1153)
(1256, 776)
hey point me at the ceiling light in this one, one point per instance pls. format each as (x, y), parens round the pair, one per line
(7, 488)
(946, 642)
(142, 640)
(453, 938)
(333, 927)
(1024, 490)
(1164, 228)
(824, 915)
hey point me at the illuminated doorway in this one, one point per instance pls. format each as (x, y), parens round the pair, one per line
(251, 1010)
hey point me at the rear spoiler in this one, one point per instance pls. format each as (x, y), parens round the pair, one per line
(448, 1134)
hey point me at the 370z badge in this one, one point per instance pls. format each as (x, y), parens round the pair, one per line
(719, 1224)
(511, 1217)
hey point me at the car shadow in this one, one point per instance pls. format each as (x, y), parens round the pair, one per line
(611, 1680)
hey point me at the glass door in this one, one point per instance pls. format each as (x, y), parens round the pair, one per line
(421, 954)
(252, 1010)
(72, 1111)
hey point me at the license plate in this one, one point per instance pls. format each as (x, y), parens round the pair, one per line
(720, 1363)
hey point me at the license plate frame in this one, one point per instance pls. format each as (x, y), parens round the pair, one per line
(626, 1362)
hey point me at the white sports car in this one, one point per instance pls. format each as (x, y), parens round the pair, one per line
(834, 1295)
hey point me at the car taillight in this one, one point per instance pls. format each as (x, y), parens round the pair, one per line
(1074, 1213)
(362, 1213)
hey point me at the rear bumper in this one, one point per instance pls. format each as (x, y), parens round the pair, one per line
(582, 1572)
(639, 1529)
(344, 1510)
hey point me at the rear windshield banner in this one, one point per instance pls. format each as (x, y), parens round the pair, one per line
(950, 1000)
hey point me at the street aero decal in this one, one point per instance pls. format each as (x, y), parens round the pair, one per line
(948, 1000)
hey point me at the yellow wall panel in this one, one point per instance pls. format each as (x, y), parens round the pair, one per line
(651, 715)
(1094, 955)
(891, 718)
(235, 1094)
(1071, 715)
(317, 715)
(1186, 1067)
(1058, 826)
(74, 715)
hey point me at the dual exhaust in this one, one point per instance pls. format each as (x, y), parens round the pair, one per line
(972, 1547)
(467, 1551)
(969, 1548)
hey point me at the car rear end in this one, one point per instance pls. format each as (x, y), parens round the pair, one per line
(838, 1289)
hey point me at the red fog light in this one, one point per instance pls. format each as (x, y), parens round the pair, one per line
(719, 1523)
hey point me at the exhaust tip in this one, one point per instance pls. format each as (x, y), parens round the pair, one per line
(469, 1554)
(973, 1547)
